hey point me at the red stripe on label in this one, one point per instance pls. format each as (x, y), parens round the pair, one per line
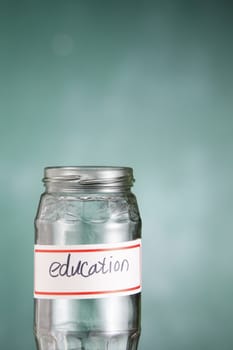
(85, 250)
(88, 293)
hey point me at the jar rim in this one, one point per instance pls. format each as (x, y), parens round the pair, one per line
(89, 176)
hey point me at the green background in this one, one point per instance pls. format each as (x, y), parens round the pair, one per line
(144, 84)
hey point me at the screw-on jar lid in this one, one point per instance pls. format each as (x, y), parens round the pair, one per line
(86, 177)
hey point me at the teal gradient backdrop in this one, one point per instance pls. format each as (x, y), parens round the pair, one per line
(143, 84)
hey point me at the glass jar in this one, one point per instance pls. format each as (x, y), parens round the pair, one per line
(87, 260)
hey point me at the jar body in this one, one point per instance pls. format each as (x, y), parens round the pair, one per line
(83, 218)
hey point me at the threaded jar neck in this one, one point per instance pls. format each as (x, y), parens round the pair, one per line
(82, 178)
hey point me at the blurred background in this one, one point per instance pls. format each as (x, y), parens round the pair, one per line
(146, 84)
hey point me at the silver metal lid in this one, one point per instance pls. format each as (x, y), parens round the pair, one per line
(89, 177)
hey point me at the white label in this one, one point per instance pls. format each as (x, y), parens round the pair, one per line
(87, 271)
